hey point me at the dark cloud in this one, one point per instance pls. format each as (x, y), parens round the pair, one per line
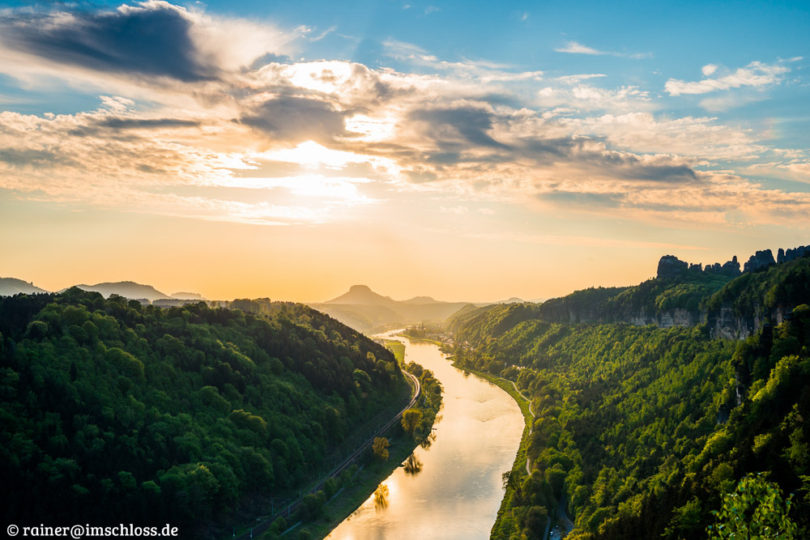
(447, 125)
(33, 158)
(457, 131)
(120, 128)
(580, 199)
(629, 167)
(296, 119)
(662, 173)
(148, 40)
(549, 150)
(146, 123)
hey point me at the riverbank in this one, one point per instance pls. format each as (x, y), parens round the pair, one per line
(366, 478)
(521, 465)
(307, 508)
(455, 489)
(363, 484)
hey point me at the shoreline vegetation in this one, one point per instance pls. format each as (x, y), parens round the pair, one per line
(362, 480)
(206, 417)
(521, 465)
(657, 430)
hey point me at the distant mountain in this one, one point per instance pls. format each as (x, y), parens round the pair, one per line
(11, 286)
(127, 289)
(187, 296)
(420, 300)
(361, 295)
(369, 312)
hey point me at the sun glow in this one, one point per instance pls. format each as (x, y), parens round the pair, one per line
(324, 76)
(312, 155)
(372, 129)
(337, 188)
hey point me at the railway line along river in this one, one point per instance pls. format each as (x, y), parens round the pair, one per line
(453, 488)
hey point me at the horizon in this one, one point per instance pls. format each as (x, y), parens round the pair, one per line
(381, 292)
(440, 149)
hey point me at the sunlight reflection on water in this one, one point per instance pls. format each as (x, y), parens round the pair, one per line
(458, 490)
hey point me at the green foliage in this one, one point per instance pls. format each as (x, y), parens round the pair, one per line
(782, 285)
(639, 431)
(410, 420)
(427, 406)
(755, 509)
(113, 411)
(380, 448)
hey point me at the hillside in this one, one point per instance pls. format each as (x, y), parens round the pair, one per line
(117, 412)
(127, 289)
(12, 286)
(369, 312)
(732, 302)
(642, 430)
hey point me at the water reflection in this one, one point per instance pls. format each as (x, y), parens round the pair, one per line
(381, 497)
(412, 465)
(458, 490)
(427, 441)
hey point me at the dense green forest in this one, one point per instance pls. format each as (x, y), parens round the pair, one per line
(648, 432)
(117, 412)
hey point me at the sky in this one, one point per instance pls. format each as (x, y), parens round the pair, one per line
(463, 150)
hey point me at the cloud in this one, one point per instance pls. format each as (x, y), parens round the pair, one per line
(729, 101)
(247, 134)
(572, 93)
(323, 34)
(755, 74)
(573, 47)
(708, 69)
(448, 125)
(476, 71)
(152, 39)
(295, 119)
(694, 138)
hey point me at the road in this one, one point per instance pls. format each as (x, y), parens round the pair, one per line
(531, 426)
(263, 525)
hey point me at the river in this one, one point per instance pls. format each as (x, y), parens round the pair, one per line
(457, 492)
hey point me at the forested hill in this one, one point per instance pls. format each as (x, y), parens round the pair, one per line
(643, 431)
(117, 412)
(734, 304)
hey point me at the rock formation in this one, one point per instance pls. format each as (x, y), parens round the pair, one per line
(670, 267)
(759, 261)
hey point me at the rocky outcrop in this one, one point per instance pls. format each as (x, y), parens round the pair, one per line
(759, 261)
(667, 318)
(791, 254)
(671, 267)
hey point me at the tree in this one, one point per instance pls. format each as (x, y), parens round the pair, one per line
(410, 420)
(755, 509)
(380, 448)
